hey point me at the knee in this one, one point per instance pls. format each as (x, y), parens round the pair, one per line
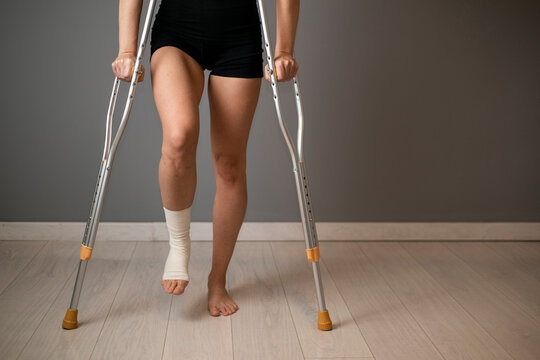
(180, 148)
(229, 168)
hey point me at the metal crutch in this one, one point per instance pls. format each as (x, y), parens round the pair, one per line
(299, 170)
(70, 319)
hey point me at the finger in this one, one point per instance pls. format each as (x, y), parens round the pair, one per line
(290, 70)
(121, 72)
(283, 71)
(128, 70)
(124, 72)
(127, 74)
(294, 69)
(287, 70)
(117, 70)
(266, 74)
(278, 70)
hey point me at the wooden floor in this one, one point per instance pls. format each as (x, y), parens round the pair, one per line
(387, 300)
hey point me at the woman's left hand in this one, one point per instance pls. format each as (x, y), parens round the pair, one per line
(285, 67)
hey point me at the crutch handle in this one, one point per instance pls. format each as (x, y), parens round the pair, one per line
(140, 77)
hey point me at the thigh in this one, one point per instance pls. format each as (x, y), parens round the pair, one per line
(233, 102)
(177, 85)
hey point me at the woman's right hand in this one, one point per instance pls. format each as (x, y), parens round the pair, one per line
(123, 67)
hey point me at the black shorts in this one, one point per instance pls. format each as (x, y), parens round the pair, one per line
(223, 36)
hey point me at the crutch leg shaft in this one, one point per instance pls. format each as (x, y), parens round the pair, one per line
(109, 151)
(312, 243)
(304, 199)
(70, 318)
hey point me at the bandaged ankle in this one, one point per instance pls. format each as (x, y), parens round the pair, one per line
(178, 224)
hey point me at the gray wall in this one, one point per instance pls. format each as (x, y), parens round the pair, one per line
(416, 111)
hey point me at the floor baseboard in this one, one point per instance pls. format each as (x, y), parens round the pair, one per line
(279, 231)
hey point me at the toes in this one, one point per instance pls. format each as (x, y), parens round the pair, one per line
(180, 287)
(224, 309)
(221, 309)
(166, 284)
(214, 311)
(230, 309)
(175, 287)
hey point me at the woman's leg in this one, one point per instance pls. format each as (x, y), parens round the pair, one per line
(232, 105)
(177, 84)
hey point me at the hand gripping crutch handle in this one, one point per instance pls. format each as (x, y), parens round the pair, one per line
(297, 157)
(109, 151)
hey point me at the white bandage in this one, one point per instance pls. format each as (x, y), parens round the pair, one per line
(178, 223)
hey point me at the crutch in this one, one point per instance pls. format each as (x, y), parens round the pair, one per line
(300, 176)
(70, 319)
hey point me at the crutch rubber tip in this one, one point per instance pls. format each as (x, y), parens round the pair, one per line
(324, 321)
(70, 320)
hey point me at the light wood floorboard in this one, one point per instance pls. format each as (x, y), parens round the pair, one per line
(342, 358)
(136, 325)
(345, 339)
(262, 327)
(524, 255)
(499, 270)
(27, 300)
(103, 275)
(441, 317)
(389, 328)
(192, 332)
(387, 300)
(14, 256)
(515, 330)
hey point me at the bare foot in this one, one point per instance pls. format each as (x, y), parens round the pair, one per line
(175, 287)
(219, 300)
